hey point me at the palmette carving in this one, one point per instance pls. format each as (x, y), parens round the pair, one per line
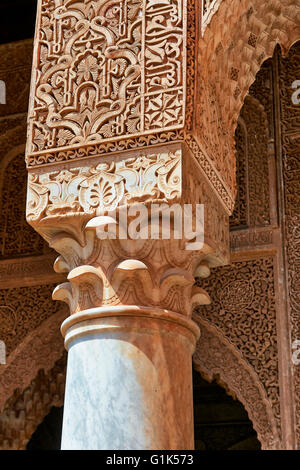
(105, 186)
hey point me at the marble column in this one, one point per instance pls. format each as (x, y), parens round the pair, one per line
(129, 379)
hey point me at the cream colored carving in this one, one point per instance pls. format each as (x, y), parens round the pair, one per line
(104, 186)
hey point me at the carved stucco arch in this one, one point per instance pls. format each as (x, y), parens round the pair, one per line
(242, 34)
(26, 410)
(23, 404)
(218, 359)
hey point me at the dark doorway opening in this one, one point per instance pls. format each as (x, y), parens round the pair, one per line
(47, 436)
(221, 423)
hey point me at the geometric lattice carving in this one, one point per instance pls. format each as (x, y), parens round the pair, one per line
(105, 70)
(258, 171)
(239, 217)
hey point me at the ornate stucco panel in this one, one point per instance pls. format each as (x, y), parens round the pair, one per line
(102, 184)
(105, 70)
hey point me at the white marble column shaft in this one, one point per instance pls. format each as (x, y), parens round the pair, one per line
(129, 379)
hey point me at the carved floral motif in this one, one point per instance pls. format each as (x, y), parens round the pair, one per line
(105, 186)
(22, 310)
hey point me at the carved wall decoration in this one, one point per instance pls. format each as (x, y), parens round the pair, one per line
(39, 349)
(27, 408)
(212, 134)
(290, 141)
(243, 239)
(217, 358)
(239, 217)
(25, 259)
(252, 208)
(17, 238)
(258, 170)
(22, 310)
(12, 134)
(91, 83)
(243, 309)
(222, 49)
(105, 185)
(262, 89)
(31, 270)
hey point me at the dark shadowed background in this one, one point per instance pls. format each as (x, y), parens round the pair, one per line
(17, 19)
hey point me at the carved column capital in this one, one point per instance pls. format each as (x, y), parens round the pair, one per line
(74, 206)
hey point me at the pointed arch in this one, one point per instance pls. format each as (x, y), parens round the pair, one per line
(217, 359)
(241, 35)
